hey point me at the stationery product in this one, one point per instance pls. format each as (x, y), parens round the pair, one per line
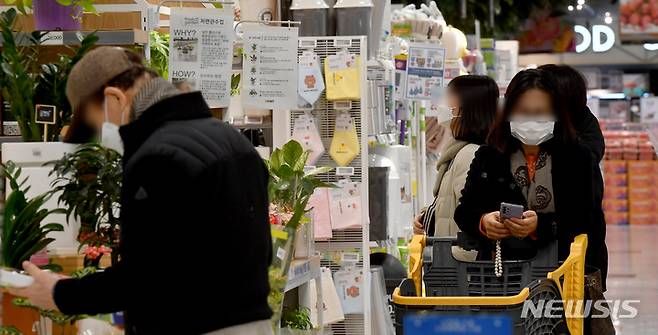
(342, 77)
(345, 143)
(345, 204)
(331, 306)
(319, 203)
(349, 285)
(307, 134)
(311, 82)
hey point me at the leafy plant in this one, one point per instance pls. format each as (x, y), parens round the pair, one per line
(290, 186)
(22, 232)
(90, 182)
(160, 53)
(51, 89)
(509, 15)
(297, 318)
(86, 5)
(17, 77)
(56, 316)
(25, 83)
(9, 330)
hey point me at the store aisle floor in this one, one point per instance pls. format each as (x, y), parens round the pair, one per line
(633, 275)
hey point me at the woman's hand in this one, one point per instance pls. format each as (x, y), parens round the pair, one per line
(418, 226)
(521, 228)
(493, 228)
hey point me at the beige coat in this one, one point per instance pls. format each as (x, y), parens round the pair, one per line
(453, 166)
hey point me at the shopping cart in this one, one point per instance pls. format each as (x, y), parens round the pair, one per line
(439, 284)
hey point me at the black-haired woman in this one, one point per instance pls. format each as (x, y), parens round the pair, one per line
(532, 159)
(573, 90)
(472, 104)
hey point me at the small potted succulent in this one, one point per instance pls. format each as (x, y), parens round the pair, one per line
(55, 14)
(290, 189)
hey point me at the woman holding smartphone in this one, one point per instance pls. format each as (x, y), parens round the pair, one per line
(532, 159)
(472, 103)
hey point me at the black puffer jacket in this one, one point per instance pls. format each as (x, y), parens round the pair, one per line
(195, 237)
(590, 135)
(490, 182)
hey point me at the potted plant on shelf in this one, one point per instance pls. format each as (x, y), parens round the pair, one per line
(55, 14)
(22, 233)
(24, 83)
(89, 180)
(290, 189)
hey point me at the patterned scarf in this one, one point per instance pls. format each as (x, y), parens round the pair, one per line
(538, 192)
(152, 92)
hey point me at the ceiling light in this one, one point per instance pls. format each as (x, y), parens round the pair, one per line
(607, 13)
(608, 19)
(579, 7)
(581, 2)
(570, 8)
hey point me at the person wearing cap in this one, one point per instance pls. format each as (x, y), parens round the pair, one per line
(195, 239)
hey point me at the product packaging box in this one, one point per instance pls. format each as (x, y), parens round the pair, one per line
(641, 180)
(614, 167)
(642, 167)
(616, 218)
(619, 193)
(615, 180)
(643, 218)
(649, 192)
(614, 205)
(646, 206)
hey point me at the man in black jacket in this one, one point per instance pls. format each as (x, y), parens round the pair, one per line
(195, 238)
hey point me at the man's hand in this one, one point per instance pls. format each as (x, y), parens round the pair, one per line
(418, 226)
(493, 228)
(522, 227)
(40, 293)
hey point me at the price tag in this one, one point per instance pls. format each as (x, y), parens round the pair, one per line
(280, 253)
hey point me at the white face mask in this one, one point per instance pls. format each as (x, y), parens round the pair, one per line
(444, 114)
(532, 131)
(110, 137)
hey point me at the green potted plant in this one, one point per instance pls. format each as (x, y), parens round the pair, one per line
(89, 180)
(296, 321)
(55, 14)
(24, 83)
(22, 233)
(160, 53)
(290, 189)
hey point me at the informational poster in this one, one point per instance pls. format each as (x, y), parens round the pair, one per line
(649, 110)
(201, 51)
(269, 70)
(425, 70)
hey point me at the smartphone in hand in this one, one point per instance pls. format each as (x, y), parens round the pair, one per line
(509, 211)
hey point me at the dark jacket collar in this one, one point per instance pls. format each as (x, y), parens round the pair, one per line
(177, 108)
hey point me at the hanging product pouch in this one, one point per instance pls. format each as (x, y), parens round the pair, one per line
(349, 286)
(332, 309)
(345, 205)
(342, 77)
(345, 144)
(311, 82)
(307, 134)
(319, 202)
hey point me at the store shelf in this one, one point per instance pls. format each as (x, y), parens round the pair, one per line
(302, 271)
(117, 37)
(252, 122)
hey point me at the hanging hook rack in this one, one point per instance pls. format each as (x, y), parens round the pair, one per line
(162, 2)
